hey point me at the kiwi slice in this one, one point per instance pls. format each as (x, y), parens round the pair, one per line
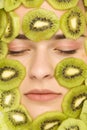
(62, 4)
(1, 4)
(12, 28)
(32, 3)
(3, 21)
(48, 121)
(71, 72)
(3, 49)
(12, 73)
(18, 119)
(9, 99)
(73, 101)
(72, 124)
(72, 23)
(40, 24)
(10, 5)
(83, 115)
(85, 46)
(85, 2)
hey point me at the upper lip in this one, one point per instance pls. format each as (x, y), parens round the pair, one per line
(43, 91)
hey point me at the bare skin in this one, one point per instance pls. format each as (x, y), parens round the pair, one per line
(40, 92)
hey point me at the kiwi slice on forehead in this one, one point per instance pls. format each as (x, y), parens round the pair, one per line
(40, 24)
(73, 101)
(71, 72)
(9, 99)
(18, 119)
(10, 5)
(48, 121)
(73, 23)
(32, 3)
(72, 124)
(3, 49)
(63, 4)
(12, 28)
(12, 73)
(3, 21)
(2, 4)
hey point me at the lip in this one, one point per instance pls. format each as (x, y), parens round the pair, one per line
(42, 95)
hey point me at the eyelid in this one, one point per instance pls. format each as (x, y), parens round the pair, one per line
(17, 52)
(66, 51)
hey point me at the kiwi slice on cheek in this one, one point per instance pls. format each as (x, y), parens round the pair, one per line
(32, 3)
(13, 4)
(12, 28)
(73, 23)
(48, 121)
(63, 4)
(3, 21)
(18, 119)
(73, 101)
(12, 73)
(71, 72)
(1, 4)
(40, 24)
(9, 100)
(72, 124)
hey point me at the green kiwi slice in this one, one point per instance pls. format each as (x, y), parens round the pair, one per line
(83, 115)
(18, 119)
(72, 124)
(12, 28)
(32, 3)
(63, 4)
(70, 72)
(12, 72)
(3, 21)
(40, 24)
(48, 121)
(85, 2)
(73, 101)
(9, 100)
(3, 49)
(1, 4)
(10, 5)
(72, 23)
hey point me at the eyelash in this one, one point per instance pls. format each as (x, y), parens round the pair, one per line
(66, 52)
(16, 53)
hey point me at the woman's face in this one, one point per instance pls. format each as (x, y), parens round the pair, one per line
(40, 92)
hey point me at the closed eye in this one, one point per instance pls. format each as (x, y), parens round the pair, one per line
(20, 52)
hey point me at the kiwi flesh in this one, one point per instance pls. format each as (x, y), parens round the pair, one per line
(2, 4)
(12, 28)
(32, 3)
(72, 23)
(40, 24)
(73, 101)
(3, 21)
(9, 100)
(85, 2)
(12, 72)
(48, 121)
(10, 5)
(62, 4)
(3, 50)
(72, 124)
(83, 115)
(18, 119)
(70, 72)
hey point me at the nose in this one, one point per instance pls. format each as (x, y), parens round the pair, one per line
(41, 66)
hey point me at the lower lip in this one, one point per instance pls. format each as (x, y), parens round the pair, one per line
(42, 97)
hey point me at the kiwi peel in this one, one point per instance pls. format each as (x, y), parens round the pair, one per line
(9, 100)
(40, 24)
(12, 28)
(71, 72)
(72, 23)
(12, 72)
(13, 4)
(73, 101)
(72, 124)
(48, 121)
(32, 3)
(62, 4)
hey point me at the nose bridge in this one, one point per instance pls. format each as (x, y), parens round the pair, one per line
(41, 66)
